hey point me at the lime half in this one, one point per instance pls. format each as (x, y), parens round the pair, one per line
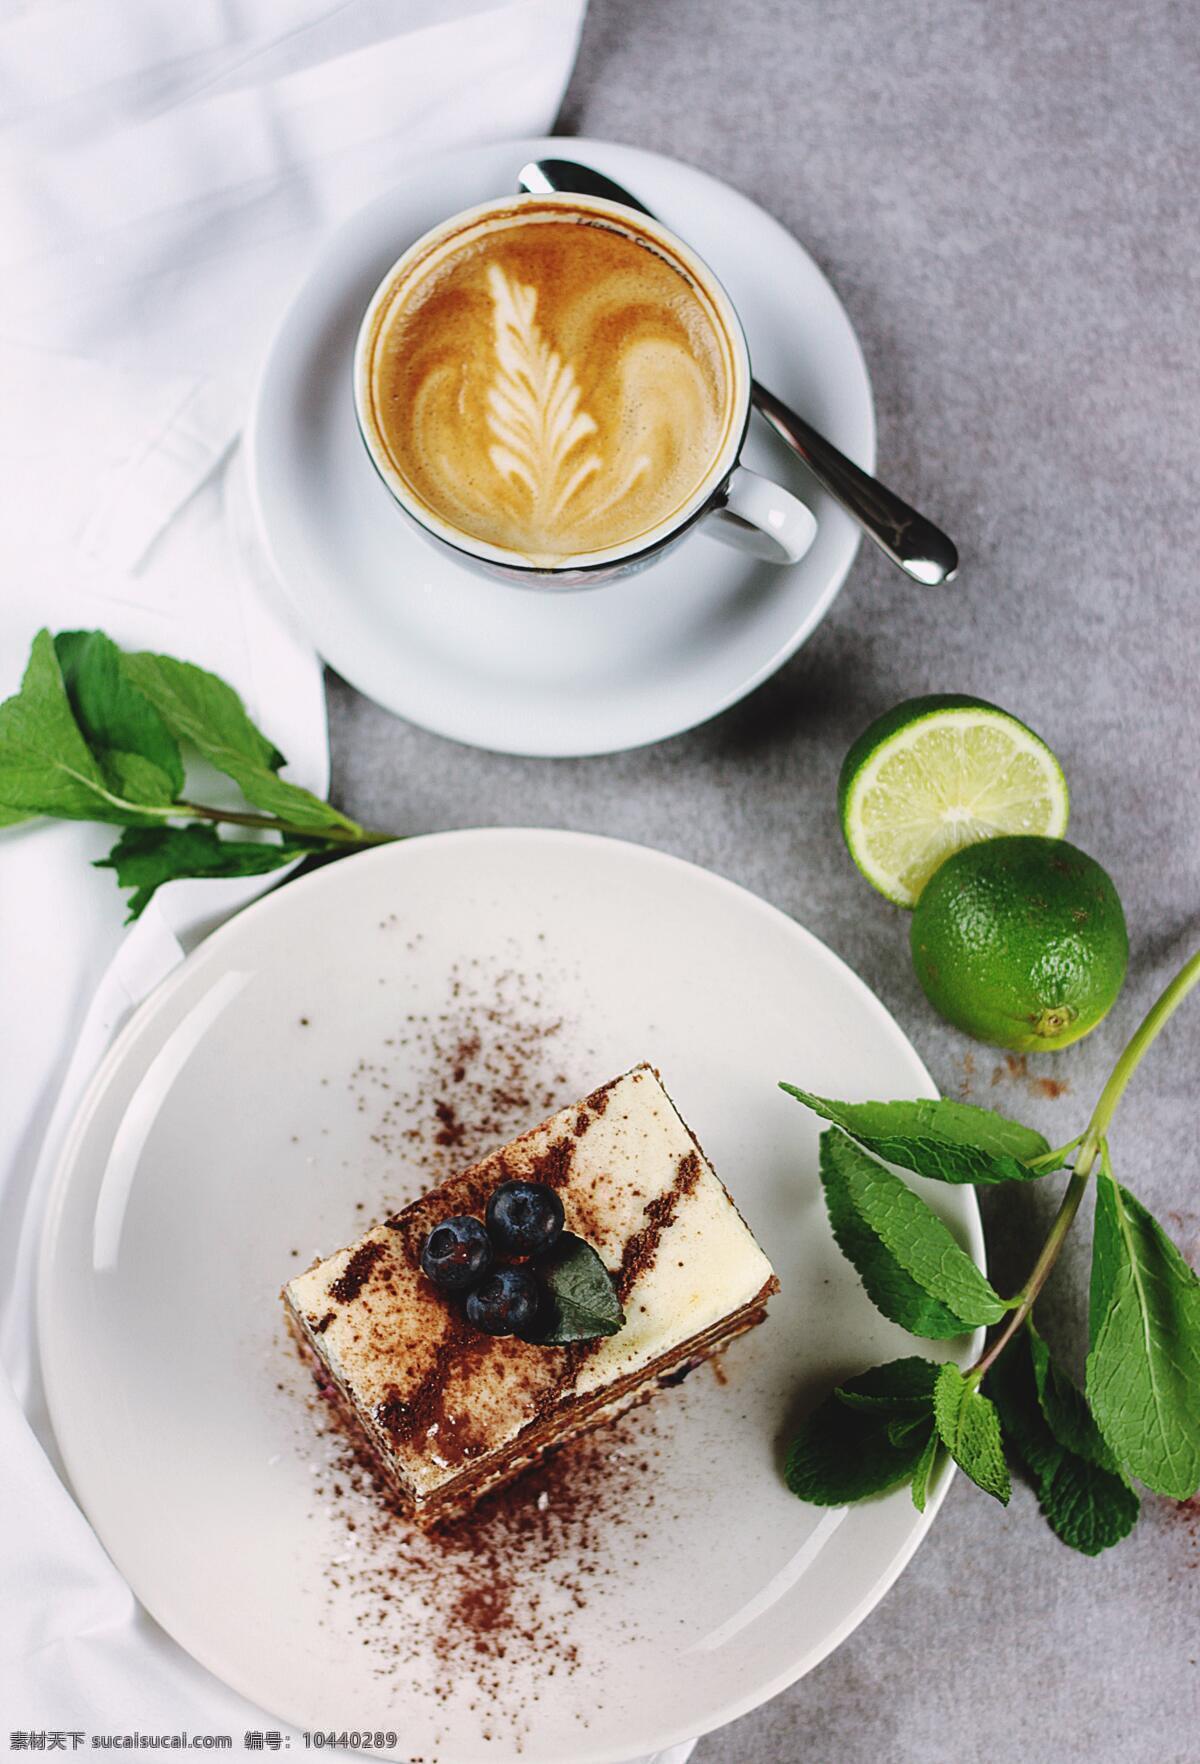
(938, 774)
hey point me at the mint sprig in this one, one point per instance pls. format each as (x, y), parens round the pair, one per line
(969, 1428)
(201, 709)
(950, 1141)
(146, 857)
(46, 765)
(1143, 1371)
(905, 1257)
(922, 1474)
(131, 743)
(846, 1450)
(1082, 1492)
(98, 733)
(897, 1391)
(1139, 1416)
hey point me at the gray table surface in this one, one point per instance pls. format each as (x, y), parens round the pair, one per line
(1005, 197)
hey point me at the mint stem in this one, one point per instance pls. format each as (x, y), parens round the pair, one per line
(1058, 1156)
(1156, 1019)
(1092, 1144)
(272, 824)
(1039, 1274)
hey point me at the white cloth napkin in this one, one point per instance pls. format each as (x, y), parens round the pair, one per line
(164, 173)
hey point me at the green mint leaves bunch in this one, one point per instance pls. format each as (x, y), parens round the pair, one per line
(1138, 1417)
(98, 733)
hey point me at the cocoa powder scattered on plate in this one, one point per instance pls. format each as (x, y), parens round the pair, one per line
(468, 1600)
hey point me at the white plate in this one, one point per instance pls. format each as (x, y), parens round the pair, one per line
(262, 1094)
(515, 669)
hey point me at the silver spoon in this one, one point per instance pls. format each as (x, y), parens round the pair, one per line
(919, 548)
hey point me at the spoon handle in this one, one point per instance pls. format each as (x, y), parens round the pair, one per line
(913, 543)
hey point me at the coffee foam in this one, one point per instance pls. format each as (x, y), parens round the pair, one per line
(550, 383)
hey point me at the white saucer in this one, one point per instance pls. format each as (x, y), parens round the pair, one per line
(514, 669)
(275, 1095)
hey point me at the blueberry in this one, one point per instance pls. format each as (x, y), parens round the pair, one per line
(506, 1303)
(457, 1253)
(524, 1218)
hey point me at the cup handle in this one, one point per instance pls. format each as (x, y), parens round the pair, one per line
(763, 518)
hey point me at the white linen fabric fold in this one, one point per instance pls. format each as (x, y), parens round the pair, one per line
(164, 173)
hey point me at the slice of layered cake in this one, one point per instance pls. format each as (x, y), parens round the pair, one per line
(543, 1290)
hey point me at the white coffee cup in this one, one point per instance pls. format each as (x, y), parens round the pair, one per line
(733, 503)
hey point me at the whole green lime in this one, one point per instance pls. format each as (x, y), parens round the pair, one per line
(1021, 942)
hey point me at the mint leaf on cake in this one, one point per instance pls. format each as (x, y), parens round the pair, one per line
(582, 1299)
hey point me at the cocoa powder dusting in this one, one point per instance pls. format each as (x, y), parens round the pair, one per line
(642, 1247)
(464, 1603)
(1015, 1070)
(597, 1102)
(354, 1276)
(447, 1087)
(1182, 1519)
(471, 1599)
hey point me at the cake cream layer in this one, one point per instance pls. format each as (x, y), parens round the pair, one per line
(439, 1398)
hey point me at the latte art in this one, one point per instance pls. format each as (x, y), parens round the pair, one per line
(533, 411)
(551, 385)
